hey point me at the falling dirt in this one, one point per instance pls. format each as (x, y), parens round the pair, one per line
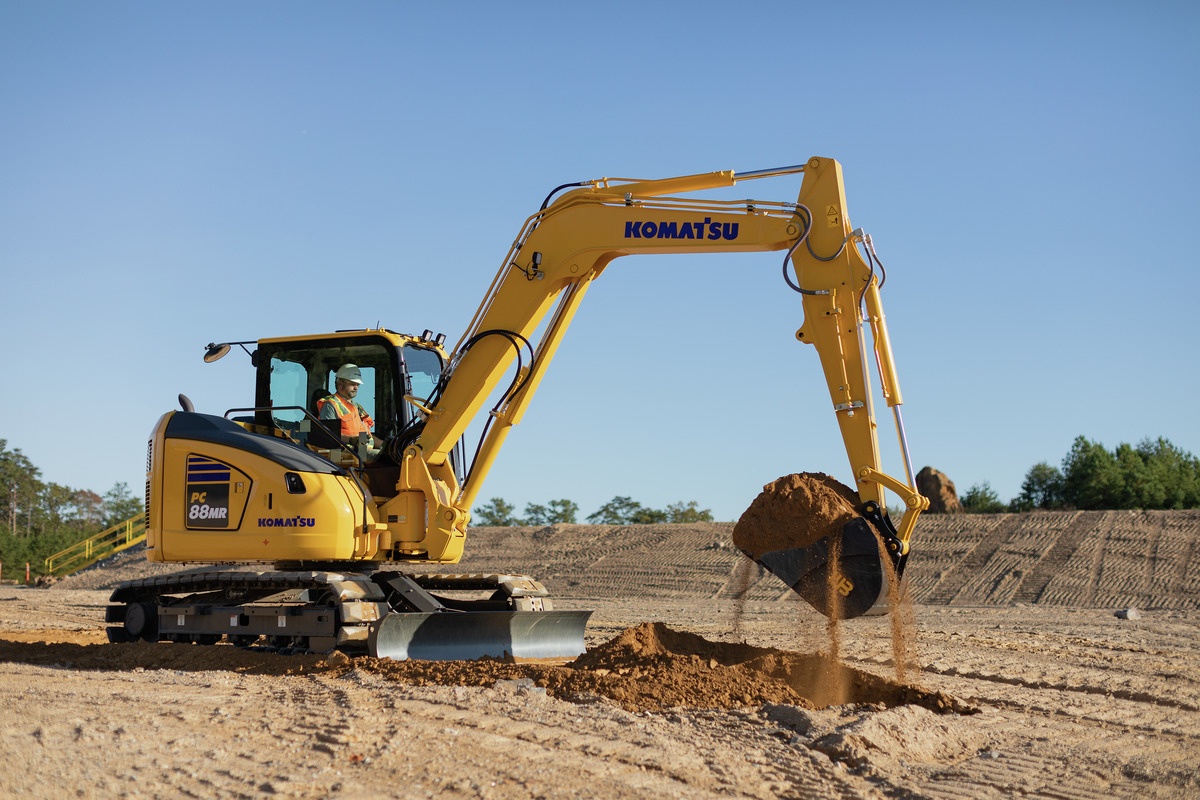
(745, 574)
(834, 674)
(904, 626)
(797, 511)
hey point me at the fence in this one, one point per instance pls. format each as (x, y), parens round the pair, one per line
(119, 537)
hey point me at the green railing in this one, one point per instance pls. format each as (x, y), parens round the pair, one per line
(119, 537)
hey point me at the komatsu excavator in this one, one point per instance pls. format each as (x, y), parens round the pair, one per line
(349, 531)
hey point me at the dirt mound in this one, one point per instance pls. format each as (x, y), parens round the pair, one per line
(655, 640)
(795, 511)
(649, 667)
(906, 735)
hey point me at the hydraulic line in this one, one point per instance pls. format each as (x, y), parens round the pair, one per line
(513, 387)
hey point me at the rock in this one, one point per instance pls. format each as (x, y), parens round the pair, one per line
(1128, 613)
(943, 499)
(337, 659)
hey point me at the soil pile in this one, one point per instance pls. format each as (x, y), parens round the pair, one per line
(795, 511)
(649, 667)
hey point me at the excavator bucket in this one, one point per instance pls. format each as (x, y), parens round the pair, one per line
(811, 532)
(472, 635)
(843, 575)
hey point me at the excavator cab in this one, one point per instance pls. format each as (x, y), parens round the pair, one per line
(399, 375)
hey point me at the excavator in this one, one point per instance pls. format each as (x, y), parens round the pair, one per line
(311, 540)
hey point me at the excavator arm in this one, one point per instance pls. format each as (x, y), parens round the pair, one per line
(570, 242)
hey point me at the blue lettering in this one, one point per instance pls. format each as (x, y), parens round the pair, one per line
(287, 522)
(682, 230)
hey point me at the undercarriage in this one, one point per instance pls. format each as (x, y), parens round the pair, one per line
(385, 614)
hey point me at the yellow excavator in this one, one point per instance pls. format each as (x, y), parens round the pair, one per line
(348, 527)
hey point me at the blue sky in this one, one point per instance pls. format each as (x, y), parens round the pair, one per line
(173, 174)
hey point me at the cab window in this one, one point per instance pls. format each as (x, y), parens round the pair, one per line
(294, 377)
(289, 390)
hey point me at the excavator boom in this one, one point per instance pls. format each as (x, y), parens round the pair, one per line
(572, 241)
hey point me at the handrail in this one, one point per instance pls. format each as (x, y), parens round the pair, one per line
(108, 542)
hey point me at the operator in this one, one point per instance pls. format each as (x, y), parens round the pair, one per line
(341, 405)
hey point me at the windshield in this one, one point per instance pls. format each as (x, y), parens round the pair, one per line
(424, 370)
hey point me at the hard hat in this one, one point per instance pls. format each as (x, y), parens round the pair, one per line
(349, 372)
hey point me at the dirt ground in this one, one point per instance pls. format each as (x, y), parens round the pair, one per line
(1042, 655)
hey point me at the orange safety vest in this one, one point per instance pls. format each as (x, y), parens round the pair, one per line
(354, 417)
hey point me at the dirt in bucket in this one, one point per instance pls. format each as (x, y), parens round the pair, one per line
(795, 511)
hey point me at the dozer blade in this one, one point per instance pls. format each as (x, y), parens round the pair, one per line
(471, 635)
(842, 575)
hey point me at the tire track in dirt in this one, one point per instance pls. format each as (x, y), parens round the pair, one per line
(1081, 693)
(1053, 562)
(953, 582)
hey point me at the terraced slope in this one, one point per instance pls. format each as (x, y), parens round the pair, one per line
(1147, 559)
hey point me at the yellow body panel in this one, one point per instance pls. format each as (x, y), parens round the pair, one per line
(215, 502)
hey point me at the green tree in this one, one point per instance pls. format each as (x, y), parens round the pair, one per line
(58, 506)
(496, 513)
(119, 505)
(556, 511)
(618, 511)
(563, 511)
(688, 512)
(20, 491)
(627, 511)
(1177, 472)
(982, 499)
(87, 511)
(648, 516)
(1091, 476)
(1042, 488)
(1139, 487)
(1153, 475)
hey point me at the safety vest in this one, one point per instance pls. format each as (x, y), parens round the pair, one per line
(354, 417)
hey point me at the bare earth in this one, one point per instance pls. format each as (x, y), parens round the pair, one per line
(1009, 673)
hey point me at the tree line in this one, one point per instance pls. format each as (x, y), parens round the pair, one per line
(618, 511)
(38, 518)
(1152, 475)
